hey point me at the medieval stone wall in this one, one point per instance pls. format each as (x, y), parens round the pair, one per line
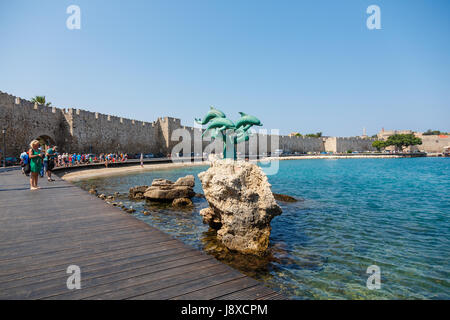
(344, 144)
(433, 144)
(25, 121)
(75, 130)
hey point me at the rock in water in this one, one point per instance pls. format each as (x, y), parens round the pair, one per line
(137, 192)
(241, 205)
(186, 181)
(284, 197)
(182, 202)
(166, 190)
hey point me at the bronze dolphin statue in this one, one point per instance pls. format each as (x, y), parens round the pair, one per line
(247, 120)
(212, 113)
(219, 124)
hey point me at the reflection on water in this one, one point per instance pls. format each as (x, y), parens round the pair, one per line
(356, 212)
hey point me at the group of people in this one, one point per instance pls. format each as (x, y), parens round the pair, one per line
(40, 161)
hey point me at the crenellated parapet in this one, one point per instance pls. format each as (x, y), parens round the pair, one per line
(78, 130)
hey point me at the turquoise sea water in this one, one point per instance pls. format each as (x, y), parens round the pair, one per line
(353, 213)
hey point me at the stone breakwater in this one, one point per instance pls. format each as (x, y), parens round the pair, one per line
(179, 193)
(241, 205)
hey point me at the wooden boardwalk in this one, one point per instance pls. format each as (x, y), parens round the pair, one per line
(43, 232)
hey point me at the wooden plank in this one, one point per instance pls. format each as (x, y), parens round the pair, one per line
(158, 281)
(127, 255)
(90, 272)
(187, 287)
(140, 235)
(249, 293)
(111, 277)
(68, 255)
(273, 296)
(143, 283)
(218, 290)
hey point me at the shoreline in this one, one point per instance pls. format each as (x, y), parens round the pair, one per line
(115, 171)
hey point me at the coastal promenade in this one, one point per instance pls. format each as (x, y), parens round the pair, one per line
(43, 232)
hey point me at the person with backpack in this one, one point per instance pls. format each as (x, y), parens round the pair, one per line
(25, 163)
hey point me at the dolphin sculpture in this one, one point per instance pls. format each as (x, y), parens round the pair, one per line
(219, 124)
(241, 136)
(212, 113)
(247, 121)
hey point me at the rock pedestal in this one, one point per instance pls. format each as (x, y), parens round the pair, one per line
(241, 205)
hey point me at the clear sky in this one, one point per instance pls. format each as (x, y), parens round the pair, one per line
(303, 66)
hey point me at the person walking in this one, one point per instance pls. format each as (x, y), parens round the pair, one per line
(142, 160)
(25, 163)
(35, 156)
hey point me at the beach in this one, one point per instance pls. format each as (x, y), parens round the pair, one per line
(113, 171)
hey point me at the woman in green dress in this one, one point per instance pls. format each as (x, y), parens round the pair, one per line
(35, 163)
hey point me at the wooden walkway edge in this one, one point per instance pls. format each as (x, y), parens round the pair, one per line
(45, 231)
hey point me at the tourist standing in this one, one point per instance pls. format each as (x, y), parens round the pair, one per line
(142, 160)
(41, 173)
(35, 156)
(49, 162)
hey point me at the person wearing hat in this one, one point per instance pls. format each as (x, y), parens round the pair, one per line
(35, 156)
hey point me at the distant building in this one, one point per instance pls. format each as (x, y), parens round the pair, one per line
(430, 143)
(384, 134)
(364, 135)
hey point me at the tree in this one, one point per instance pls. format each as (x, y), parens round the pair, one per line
(298, 135)
(41, 100)
(379, 144)
(314, 135)
(430, 132)
(401, 141)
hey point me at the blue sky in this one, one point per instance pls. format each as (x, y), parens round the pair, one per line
(303, 66)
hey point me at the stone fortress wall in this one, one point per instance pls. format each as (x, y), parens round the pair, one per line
(75, 130)
(433, 143)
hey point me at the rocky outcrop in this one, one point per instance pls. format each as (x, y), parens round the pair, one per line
(188, 181)
(166, 190)
(137, 192)
(241, 205)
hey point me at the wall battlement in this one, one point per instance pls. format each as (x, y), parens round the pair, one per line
(78, 130)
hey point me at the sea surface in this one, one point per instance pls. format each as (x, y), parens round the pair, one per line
(352, 214)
